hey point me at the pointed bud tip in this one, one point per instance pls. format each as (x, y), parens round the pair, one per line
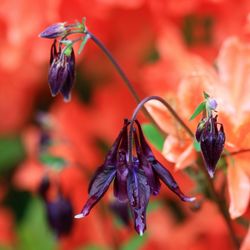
(79, 216)
(141, 233)
(211, 173)
(189, 199)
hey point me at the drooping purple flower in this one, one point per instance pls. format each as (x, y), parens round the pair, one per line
(212, 142)
(134, 180)
(59, 210)
(61, 72)
(55, 30)
(60, 215)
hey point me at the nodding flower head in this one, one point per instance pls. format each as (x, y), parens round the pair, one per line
(211, 136)
(55, 30)
(59, 209)
(134, 180)
(61, 72)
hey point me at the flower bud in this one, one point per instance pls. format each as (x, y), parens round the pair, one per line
(54, 31)
(212, 143)
(61, 72)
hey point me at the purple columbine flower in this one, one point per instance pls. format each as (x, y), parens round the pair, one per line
(55, 30)
(61, 71)
(59, 209)
(212, 140)
(134, 181)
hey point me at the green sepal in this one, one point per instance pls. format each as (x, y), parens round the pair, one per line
(68, 50)
(206, 95)
(83, 43)
(198, 110)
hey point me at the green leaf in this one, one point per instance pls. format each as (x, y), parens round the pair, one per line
(135, 242)
(153, 135)
(198, 110)
(12, 152)
(52, 161)
(33, 232)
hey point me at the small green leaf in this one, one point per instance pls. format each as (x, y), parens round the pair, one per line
(83, 43)
(206, 96)
(198, 110)
(52, 161)
(153, 135)
(197, 146)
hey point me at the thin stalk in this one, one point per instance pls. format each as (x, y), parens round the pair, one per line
(115, 64)
(122, 75)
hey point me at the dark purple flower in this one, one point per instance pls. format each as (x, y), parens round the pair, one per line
(61, 71)
(59, 209)
(55, 30)
(133, 181)
(60, 215)
(212, 142)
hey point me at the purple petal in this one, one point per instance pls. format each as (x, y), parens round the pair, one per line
(111, 157)
(153, 180)
(120, 183)
(168, 179)
(138, 194)
(68, 84)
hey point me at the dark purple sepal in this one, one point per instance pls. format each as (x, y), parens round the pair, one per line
(169, 180)
(98, 187)
(153, 180)
(54, 31)
(68, 84)
(138, 195)
(60, 215)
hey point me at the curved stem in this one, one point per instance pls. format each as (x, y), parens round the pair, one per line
(122, 75)
(115, 64)
(241, 151)
(139, 107)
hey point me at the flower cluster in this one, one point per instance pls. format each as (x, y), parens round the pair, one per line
(134, 181)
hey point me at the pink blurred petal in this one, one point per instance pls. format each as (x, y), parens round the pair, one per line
(239, 188)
